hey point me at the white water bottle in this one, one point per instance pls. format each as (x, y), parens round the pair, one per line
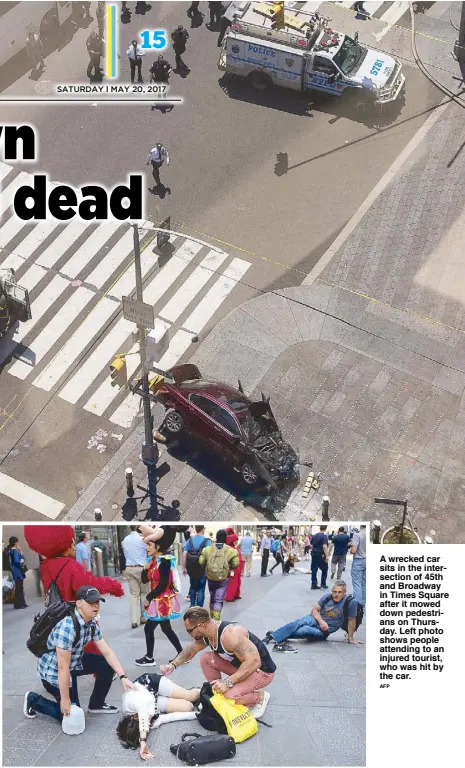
(75, 722)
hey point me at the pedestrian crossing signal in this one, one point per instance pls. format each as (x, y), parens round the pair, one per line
(118, 372)
(277, 16)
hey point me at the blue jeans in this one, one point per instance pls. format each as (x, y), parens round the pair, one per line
(306, 627)
(318, 562)
(358, 574)
(197, 590)
(93, 664)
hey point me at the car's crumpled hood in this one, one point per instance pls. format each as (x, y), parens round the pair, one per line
(266, 440)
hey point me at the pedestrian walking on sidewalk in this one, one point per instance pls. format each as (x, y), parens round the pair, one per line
(157, 157)
(162, 602)
(246, 546)
(359, 565)
(191, 566)
(179, 37)
(280, 553)
(18, 570)
(320, 556)
(34, 51)
(135, 54)
(193, 10)
(265, 551)
(233, 591)
(66, 660)
(135, 555)
(341, 543)
(232, 649)
(219, 561)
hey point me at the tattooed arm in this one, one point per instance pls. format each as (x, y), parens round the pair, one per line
(235, 640)
(186, 655)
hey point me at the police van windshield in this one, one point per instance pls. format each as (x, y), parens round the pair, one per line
(349, 56)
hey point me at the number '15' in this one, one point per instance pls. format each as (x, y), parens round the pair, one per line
(153, 38)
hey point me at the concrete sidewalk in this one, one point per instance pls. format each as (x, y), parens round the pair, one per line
(319, 691)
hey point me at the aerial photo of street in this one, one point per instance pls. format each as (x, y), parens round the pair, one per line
(280, 336)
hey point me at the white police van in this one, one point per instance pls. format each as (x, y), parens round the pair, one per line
(308, 55)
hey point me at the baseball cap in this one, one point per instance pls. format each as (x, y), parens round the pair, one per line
(89, 594)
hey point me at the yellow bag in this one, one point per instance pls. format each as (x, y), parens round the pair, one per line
(240, 722)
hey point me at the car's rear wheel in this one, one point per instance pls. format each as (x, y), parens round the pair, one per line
(173, 422)
(248, 474)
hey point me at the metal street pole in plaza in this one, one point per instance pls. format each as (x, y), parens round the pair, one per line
(149, 449)
(459, 47)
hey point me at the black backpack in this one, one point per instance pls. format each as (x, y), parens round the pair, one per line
(358, 617)
(207, 715)
(193, 566)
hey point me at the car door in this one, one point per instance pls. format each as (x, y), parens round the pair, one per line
(318, 70)
(230, 435)
(205, 426)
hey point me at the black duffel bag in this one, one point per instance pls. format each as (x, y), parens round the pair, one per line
(204, 749)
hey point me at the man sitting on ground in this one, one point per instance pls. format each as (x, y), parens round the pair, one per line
(327, 616)
(232, 650)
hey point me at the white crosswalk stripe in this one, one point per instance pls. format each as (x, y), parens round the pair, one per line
(77, 274)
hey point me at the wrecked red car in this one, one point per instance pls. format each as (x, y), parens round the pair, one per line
(244, 433)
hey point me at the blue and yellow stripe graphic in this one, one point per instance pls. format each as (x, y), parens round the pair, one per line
(111, 43)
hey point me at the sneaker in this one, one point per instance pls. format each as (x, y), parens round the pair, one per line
(145, 662)
(259, 709)
(105, 709)
(285, 647)
(134, 626)
(268, 638)
(27, 710)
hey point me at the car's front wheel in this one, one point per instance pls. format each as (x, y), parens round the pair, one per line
(173, 422)
(248, 474)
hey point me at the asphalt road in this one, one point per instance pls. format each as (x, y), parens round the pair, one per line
(223, 144)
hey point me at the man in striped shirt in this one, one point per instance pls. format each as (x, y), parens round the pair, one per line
(65, 661)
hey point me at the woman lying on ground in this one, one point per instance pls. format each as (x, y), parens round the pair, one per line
(156, 700)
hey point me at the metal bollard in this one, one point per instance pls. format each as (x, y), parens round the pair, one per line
(376, 532)
(129, 482)
(98, 561)
(325, 508)
(98, 516)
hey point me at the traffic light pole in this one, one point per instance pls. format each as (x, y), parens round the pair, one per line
(149, 450)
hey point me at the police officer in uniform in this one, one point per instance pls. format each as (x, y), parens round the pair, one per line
(179, 37)
(157, 157)
(160, 70)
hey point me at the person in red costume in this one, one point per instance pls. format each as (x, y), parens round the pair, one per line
(56, 544)
(234, 585)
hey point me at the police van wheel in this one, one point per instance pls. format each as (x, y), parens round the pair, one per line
(259, 81)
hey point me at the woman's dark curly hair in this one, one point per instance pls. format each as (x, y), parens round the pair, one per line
(128, 732)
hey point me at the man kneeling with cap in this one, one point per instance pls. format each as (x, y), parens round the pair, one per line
(59, 668)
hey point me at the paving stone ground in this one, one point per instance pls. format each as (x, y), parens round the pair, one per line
(316, 692)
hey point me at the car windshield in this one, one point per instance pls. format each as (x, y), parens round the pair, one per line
(349, 56)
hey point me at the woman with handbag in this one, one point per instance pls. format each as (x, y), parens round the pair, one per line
(19, 570)
(162, 602)
(156, 700)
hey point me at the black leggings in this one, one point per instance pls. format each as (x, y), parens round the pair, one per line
(279, 560)
(167, 630)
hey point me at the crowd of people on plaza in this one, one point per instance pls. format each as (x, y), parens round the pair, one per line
(233, 659)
